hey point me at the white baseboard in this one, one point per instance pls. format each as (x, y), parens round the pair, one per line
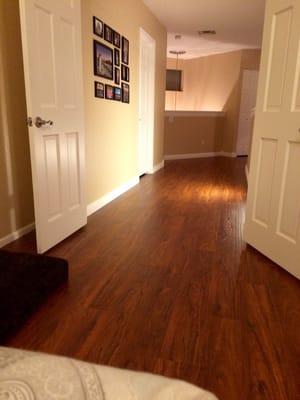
(199, 155)
(92, 208)
(226, 154)
(188, 156)
(16, 235)
(157, 167)
(107, 198)
(247, 172)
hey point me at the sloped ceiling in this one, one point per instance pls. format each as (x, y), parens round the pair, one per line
(238, 23)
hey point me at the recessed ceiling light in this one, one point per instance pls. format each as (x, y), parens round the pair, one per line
(207, 32)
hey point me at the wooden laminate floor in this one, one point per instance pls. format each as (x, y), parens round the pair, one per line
(161, 281)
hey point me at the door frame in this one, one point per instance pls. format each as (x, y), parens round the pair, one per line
(251, 114)
(145, 38)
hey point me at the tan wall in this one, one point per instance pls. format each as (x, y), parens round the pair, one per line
(111, 127)
(212, 83)
(207, 82)
(16, 204)
(187, 135)
(251, 59)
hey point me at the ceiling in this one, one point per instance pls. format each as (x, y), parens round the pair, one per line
(238, 23)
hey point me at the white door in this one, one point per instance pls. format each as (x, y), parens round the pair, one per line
(248, 101)
(51, 38)
(146, 102)
(273, 207)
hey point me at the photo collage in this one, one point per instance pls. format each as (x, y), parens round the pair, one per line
(111, 62)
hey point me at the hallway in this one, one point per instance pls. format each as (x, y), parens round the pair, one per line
(161, 281)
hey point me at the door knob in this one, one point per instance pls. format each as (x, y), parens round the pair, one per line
(39, 122)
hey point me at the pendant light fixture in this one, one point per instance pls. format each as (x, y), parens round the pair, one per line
(178, 83)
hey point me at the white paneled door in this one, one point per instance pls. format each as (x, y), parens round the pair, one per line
(273, 207)
(51, 38)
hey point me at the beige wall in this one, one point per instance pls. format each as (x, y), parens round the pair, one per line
(111, 127)
(187, 135)
(16, 204)
(207, 82)
(211, 83)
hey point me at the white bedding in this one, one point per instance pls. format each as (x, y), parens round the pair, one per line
(32, 376)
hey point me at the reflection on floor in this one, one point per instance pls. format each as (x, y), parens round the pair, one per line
(161, 281)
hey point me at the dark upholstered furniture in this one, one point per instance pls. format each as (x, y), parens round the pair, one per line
(25, 282)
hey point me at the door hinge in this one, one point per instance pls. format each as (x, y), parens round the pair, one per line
(29, 121)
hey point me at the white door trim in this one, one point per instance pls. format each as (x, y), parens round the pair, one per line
(248, 103)
(151, 43)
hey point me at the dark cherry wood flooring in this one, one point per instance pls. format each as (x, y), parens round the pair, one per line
(161, 281)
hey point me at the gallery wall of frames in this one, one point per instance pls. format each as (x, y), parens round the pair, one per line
(111, 63)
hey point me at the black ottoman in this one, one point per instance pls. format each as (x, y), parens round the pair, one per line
(25, 282)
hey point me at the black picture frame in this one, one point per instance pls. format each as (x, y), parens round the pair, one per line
(98, 27)
(103, 61)
(116, 39)
(99, 90)
(117, 76)
(109, 92)
(125, 73)
(125, 50)
(125, 93)
(108, 33)
(117, 57)
(117, 93)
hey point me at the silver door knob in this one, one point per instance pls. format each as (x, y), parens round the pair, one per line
(39, 122)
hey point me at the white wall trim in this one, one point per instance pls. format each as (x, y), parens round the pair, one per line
(177, 114)
(107, 198)
(91, 209)
(199, 155)
(188, 156)
(157, 167)
(247, 172)
(16, 235)
(227, 154)
(146, 42)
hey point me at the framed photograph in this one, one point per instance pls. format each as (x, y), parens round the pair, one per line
(117, 57)
(99, 90)
(109, 92)
(117, 39)
(108, 33)
(125, 73)
(117, 93)
(125, 93)
(103, 60)
(125, 50)
(117, 76)
(98, 27)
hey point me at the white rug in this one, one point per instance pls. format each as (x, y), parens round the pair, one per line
(33, 376)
